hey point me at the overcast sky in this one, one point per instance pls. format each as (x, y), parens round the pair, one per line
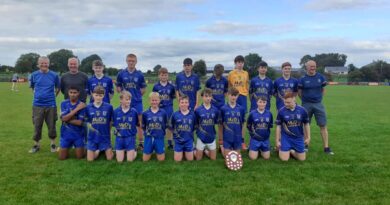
(166, 31)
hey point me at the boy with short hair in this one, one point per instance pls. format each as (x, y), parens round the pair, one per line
(259, 124)
(284, 84)
(233, 118)
(239, 79)
(219, 86)
(100, 79)
(206, 118)
(99, 118)
(188, 83)
(72, 130)
(292, 130)
(261, 85)
(154, 121)
(125, 121)
(167, 93)
(182, 124)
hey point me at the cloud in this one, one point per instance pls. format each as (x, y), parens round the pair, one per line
(237, 28)
(329, 5)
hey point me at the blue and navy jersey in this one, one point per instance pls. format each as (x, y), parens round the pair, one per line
(167, 94)
(312, 87)
(100, 118)
(232, 119)
(291, 121)
(44, 85)
(154, 124)
(206, 119)
(282, 86)
(66, 128)
(259, 124)
(106, 82)
(188, 86)
(132, 82)
(183, 126)
(219, 88)
(258, 88)
(125, 123)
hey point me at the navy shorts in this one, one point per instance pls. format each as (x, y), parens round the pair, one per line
(186, 146)
(232, 145)
(288, 143)
(242, 101)
(318, 110)
(102, 145)
(125, 143)
(68, 143)
(259, 145)
(154, 144)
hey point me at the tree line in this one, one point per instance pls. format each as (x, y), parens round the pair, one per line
(377, 71)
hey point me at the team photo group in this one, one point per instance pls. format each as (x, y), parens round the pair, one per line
(219, 115)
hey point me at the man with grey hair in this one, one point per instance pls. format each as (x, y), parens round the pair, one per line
(45, 85)
(311, 90)
(74, 78)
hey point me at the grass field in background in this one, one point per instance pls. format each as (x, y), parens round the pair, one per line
(358, 173)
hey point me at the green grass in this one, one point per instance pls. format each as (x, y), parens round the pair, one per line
(358, 174)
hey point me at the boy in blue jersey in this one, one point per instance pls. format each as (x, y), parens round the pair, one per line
(99, 118)
(259, 123)
(311, 88)
(292, 130)
(182, 124)
(125, 121)
(187, 83)
(284, 84)
(232, 118)
(219, 86)
(261, 86)
(154, 124)
(167, 93)
(207, 117)
(133, 80)
(100, 79)
(45, 85)
(72, 130)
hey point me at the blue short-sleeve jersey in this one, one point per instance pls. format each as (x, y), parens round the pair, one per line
(292, 121)
(125, 123)
(282, 86)
(132, 82)
(312, 87)
(188, 86)
(67, 129)
(258, 88)
(183, 126)
(106, 82)
(100, 119)
(206, 119)
(44, 85)
(167, 94)
(232, 119)
(219, 88)
(154, 124)
(259, 124)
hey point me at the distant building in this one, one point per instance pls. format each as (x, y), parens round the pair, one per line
(338, 70)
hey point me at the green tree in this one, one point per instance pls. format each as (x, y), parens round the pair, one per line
(86, 63)
(6, 68)
(355, 76)
(200, 68)
(351, 67)
(156, 68)
(325, 59)
(111, 71)
(27, 63)
(59, 60)
(251, 61)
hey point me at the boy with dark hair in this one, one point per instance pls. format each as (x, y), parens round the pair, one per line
(261, 86)
(284, 84)
(100, 79)
(187, 83)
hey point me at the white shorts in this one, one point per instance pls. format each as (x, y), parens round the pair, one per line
(201, 146)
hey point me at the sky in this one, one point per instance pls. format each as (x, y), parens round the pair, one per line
(167, 31)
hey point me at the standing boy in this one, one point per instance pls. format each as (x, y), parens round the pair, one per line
(154, 122)
(206, 118)
(261, 86)
(187, 83)
(167, 93)
(100, 79)
(99, 118)
(284, 84)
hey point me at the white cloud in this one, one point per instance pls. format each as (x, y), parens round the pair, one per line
(328, 5)
(237, 28)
